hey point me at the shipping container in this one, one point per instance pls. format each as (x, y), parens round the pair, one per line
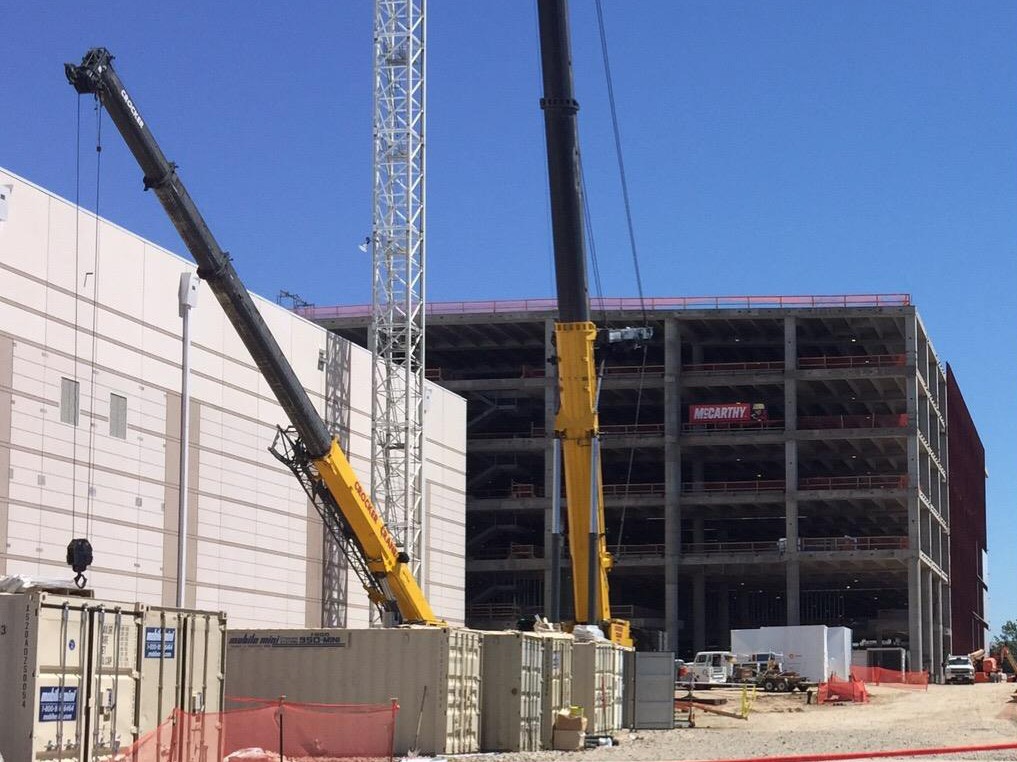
(512, 680)
(182, 663)
(804, 649)
(434, 673)
(649, 690)
(597, 685)
(78, 685)
(556, 694)
(838, 652)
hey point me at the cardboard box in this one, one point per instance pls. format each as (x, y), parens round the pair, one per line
(568, 721)
(569, 740)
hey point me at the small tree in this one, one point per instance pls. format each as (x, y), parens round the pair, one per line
(1007, 637)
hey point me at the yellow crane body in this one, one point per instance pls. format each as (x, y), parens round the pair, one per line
(379, 548)
(577, 425)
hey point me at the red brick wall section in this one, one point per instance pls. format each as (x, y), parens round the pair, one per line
(966, 473)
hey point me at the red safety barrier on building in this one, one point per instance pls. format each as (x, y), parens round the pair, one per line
(269, 731)
(842, 690)
(892, 678)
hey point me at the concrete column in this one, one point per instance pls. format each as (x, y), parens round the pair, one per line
(915, 614)
(698, 477)
(915, 590)
(938, 651)
(723, 615)
(791, 559)
(550, 411)
(699, 610)
(743, 608)
(672, 478)
(697, 354)
(698, 530)
(928, 625)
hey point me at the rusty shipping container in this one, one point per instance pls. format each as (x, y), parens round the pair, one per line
(80, 679)
(598, 686)
(512, 680)
(434, 673)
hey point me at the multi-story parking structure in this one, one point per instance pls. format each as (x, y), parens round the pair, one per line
(819, 496)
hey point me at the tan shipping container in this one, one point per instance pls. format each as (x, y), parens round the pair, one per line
(183, 662)
(77, 683)
(434, 673)
(556, 694)
(597, 685)
(512, 680)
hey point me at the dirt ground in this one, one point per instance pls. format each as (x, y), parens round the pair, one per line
(779, 724)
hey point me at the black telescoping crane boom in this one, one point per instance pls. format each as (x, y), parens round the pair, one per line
(310, 451)
(577, 423)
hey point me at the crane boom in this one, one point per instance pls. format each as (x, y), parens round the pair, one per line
(308, 448)
(577, 423)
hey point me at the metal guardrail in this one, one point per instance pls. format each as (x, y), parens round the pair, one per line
(624, 304)
(893, 481)
(732, 367)
(805, 544)
(658, 489)
(634, 490)
(652, 550)
(885, 421)
(848, 543)
(853, 361)
(712, 427)
(752, 485)
(832, 362)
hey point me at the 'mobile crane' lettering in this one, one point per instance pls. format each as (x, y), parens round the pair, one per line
(131, 107)
(373, 513)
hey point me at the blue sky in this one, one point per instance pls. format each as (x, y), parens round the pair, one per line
(772, 148)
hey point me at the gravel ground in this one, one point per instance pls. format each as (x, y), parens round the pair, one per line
(946, 715)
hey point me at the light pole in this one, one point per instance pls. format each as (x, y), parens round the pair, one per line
(187, 296)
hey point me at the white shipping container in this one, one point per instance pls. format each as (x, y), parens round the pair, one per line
(77, 685)
(597, 685)
(512, 683)
(433, 672)
(556, 694)
(838, 652)
(803, 648)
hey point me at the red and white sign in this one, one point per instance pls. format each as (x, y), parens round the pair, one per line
(725, 412)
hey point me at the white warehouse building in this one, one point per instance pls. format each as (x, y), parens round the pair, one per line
(90, 422)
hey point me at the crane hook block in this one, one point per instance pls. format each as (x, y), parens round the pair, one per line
(79, 558)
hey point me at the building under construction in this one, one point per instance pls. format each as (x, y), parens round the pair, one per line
(766, 461)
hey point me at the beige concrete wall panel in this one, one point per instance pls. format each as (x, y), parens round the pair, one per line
(252, 531)
(60, 263)
(27, 323)
(6, 381)
(26, 233)
(28, 292)
(122, 261)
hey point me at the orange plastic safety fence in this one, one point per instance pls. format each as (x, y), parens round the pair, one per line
(270, 731)
(839, 690)
(892, 678)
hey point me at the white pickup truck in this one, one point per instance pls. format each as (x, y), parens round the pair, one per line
(959, 669)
